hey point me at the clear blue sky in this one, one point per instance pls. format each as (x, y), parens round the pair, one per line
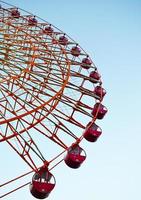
(110, 31)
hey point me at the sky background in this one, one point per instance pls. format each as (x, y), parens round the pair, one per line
(110, 32)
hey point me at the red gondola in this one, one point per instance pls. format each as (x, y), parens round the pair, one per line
(75, 51)
(92, 132)
(42, 184)
(86, 63)
(94, 76)
(15, 13)
(63, 40)
(99, 92)
(75, 156)
(99, 111)
(32, 21)
(48, 30)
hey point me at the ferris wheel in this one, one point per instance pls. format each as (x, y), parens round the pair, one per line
(50, 90)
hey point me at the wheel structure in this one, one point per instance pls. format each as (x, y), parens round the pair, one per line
(50, 91)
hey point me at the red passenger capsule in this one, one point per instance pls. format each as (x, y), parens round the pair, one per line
(99, 92)
(92, 132)
(75, 51)
(42, 184)
(86, 63)
(32, 21)
(99, 111)
(94, 76)
(48, 30)
(15, 13)
(75, 157)
(63, 40)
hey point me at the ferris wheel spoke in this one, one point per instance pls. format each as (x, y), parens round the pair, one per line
(25, 147)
